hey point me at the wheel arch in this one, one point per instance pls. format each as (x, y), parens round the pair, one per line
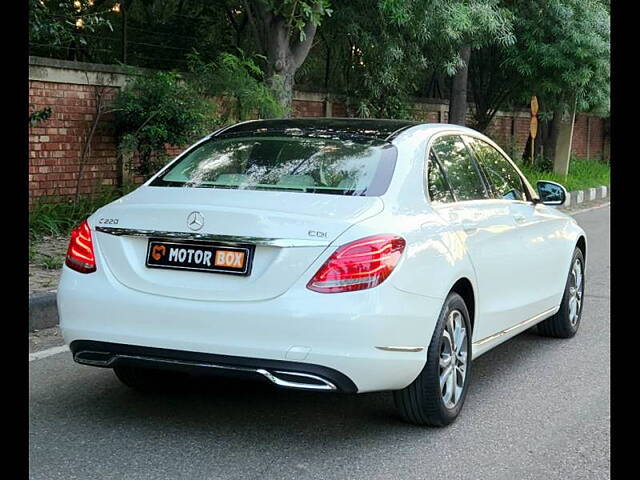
(582, 245)
(464, 288)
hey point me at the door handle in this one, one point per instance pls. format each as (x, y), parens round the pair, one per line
(520, 218)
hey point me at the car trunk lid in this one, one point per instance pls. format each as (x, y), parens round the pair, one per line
(289, 230)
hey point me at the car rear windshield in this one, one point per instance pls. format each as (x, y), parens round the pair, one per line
(293, 164)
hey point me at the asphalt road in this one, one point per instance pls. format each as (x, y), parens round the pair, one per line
(538, 408)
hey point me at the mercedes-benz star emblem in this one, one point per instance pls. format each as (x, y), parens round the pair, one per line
(195, 221)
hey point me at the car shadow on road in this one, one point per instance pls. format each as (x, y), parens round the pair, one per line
(242, 412)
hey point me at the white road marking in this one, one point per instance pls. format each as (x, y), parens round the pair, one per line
(48, 352)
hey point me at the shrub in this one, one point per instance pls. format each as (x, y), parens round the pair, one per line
(39, 116)
(156, 110)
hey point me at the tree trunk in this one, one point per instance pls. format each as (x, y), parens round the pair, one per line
(284, 51)
(551, 140)
(526, 153)
(281, 84)
(458, 100)
(280, 65)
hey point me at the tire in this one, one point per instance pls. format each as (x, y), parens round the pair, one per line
(423, 401)
(148, 379)
(565, 323)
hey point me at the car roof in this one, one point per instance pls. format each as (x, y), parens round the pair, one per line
(363, 128)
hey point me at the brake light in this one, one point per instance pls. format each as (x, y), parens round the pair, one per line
(80, 252)
(359, 265)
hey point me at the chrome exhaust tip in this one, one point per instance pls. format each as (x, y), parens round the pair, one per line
(98, 359)
(313, 382)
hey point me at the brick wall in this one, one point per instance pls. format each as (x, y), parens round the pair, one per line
(308, 108)
(69, 88)
(55, 145)
(588, 136)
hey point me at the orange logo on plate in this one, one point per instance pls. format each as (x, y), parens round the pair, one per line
(158, 252)
(228, 258)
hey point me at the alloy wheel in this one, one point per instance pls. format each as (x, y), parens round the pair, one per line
(576, 290)
(453, 359)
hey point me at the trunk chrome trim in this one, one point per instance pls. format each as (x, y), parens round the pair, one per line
(234, 239)
(528, 322)
(400, 349)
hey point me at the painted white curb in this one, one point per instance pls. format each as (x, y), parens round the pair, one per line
(588, 195)
(602, 191)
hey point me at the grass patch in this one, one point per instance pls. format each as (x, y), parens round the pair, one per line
(58, 219)
(583, 174)
(48, 220)
(32, 251)
(51, 263)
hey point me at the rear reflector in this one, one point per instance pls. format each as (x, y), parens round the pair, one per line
(358, 265)
(80, 252)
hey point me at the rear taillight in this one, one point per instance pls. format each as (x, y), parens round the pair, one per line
(358, 265)
(80, 252)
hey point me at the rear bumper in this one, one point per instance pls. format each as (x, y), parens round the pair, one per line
(300, 331)
(287, 374)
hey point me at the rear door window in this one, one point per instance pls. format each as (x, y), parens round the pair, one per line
(460, 168)
(439, 191)
(504, 179)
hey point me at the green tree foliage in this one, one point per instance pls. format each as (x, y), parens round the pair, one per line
(465, 22)
(374, 60)
(162, 33)
(240, 80)
(561, 54)
(381, 59)
(61, 28)
(168, 108)
(376, 54)
(475, 23)
(158, 110)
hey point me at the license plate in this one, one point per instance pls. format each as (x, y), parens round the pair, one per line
(200, 257)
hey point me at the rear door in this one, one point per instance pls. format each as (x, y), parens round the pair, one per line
(543, 254)
(487, 229)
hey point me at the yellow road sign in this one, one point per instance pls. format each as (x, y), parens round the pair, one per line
(533, 128)
(534, 105)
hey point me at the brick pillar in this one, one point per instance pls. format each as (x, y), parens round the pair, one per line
(328, 107)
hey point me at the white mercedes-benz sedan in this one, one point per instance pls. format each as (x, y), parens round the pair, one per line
(337, 255)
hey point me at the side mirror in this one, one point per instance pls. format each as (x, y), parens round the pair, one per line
(551, 193)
